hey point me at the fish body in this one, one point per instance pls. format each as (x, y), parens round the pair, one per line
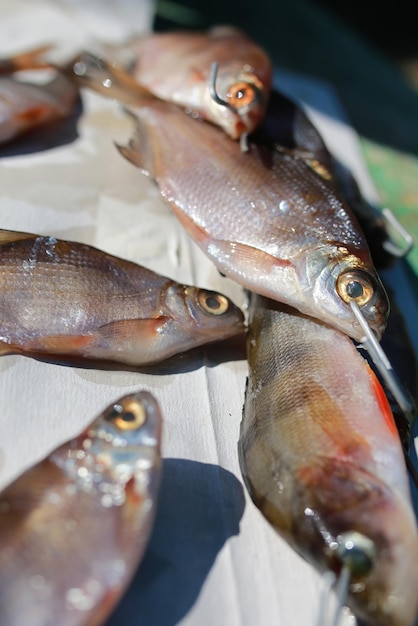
(264, 217)
(74, 527)
(73, 300)
(176, 66)
(322, 460)
(25, 105)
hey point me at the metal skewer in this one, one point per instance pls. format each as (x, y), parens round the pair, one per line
(381, 361)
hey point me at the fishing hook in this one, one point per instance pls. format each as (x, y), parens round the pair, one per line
(381, 361)
(340, 585)
(212, 87)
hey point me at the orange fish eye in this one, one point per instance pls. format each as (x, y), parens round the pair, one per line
(355, 285)
(129, 415)
(241, 94)
(213, 303)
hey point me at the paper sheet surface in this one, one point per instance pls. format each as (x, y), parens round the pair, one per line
(213, 559)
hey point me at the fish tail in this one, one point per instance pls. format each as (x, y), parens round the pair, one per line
(89, 70)
(139, 149)
(29, 60)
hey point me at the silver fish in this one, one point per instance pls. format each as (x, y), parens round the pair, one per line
(70, 300)
(75, 526)
(322, 459)
(264, 217)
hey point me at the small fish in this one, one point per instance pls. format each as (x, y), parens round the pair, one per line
(25, 105)
(322, 460)
(69, 299)
(176, 66)
(264, 217)
(28, 60)
(74, 527)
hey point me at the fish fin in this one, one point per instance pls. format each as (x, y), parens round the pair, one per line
(89, 70)
(113, 341)
(138, 151)
(28, 60)
(34, 115)
(11, 236)
(59, 344)
(383, 402)
(6, 348)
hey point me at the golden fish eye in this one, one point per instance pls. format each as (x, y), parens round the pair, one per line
(213, 303)
(241, 94)
(127, 416)
(355, 285)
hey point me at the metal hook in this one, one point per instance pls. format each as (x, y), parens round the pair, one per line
(341, 590)
(212, 87)
(389, 245)
(328, 581)
(340, 584)
(381, 361)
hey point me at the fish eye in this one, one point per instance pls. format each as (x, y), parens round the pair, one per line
(355, 285)
(129, 415)
(356, 552)
(241, 94)
(213, 303)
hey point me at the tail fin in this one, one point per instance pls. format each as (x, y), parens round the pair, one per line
(29, 60)
(97, 74)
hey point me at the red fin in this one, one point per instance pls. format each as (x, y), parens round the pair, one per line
(32, 116)
(59, 344)
(383, 403)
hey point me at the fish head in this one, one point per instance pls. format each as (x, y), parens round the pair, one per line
(370, 530)
(207, 314)
(337, 279)
(237, 99)
(123, 443)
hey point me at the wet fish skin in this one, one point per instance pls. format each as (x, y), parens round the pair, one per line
(321, 457)
(176, 66)
(25, 105)
(75, 526)
(264, 217)
(73, 300)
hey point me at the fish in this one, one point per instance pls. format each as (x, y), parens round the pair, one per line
(176, 66)
(68, 299)
(321, 458)
(26, 105)
(75, 526)
(264, 217)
